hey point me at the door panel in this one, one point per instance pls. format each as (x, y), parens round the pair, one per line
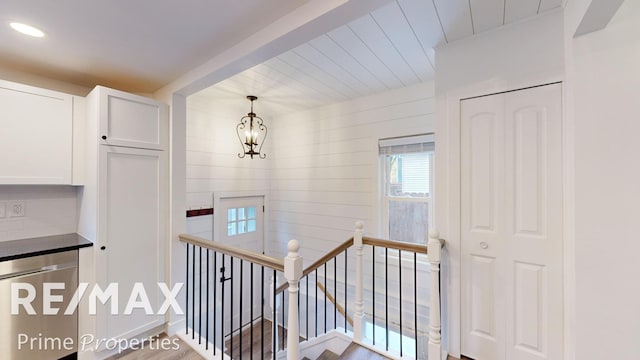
(534, 223)
(483, 228)
(511, 230)
(132, 204)
(132, 121)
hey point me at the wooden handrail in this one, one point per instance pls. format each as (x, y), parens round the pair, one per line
(333, 301)
(256, 258)
(399, 245)
(316, 264)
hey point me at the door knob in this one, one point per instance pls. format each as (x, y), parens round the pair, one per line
(104, 137)
(484, 245)
(102, 247)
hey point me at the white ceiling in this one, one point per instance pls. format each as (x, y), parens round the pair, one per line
(389, 48)
(142, 45)
(136, 45)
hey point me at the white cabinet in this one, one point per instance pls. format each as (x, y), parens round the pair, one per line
(35, 135)
(132, 121)
(131, 232)
(124, 206)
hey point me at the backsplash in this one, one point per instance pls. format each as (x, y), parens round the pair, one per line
(48, 210)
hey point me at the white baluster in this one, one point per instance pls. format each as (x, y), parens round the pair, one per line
(293, 273)
(358, 318)
(434, 252)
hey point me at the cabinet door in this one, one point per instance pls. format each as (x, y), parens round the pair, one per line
(132, 121)
(131, 234)
(35, 135)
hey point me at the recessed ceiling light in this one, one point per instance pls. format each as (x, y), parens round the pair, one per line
(27, 29)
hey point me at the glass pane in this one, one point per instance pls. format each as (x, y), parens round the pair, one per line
(407, 175)
(409, 221)
(415, 174)
(242, 227)
(231, 229)
(231, 215)
(251, 212)
(251, 226)
(241, 214)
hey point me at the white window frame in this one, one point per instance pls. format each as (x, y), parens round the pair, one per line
(386, 199)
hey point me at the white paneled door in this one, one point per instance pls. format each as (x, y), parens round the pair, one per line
(511, 203)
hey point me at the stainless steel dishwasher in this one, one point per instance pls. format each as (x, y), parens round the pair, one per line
(39, 336)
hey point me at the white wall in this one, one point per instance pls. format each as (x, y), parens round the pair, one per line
(212, 154)
(526, 53)
(605, 78)
(325, 166)
(49, 210)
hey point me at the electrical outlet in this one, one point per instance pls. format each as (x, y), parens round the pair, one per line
(3, 209)
(16, 208)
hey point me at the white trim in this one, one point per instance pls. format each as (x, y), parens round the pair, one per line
(406, 140)
(335, 340)
(173, 328)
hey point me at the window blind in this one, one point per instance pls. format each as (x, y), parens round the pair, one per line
(406, 145)
(415, 172)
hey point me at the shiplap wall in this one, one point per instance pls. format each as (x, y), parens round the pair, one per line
(324, 171)
(321, 177)
(212, 155)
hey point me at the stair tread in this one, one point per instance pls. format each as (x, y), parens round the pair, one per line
(328, 355)
(355, 351)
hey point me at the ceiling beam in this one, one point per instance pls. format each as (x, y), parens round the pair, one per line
(307, 22)
(598, 15)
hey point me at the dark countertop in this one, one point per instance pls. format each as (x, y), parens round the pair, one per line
(17, 249)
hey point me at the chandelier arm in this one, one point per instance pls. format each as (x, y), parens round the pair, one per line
(239, 128)
(262, 128)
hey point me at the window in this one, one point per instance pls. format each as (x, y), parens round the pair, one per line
(241, 220)
(407, 187)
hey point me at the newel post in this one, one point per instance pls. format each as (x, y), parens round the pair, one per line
(293, 273)
(358, 318)
(434, 253)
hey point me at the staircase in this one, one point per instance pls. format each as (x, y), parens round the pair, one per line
(241, 303)
(353, 352)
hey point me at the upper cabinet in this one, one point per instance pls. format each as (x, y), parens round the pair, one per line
(131, 120)
(35, 135)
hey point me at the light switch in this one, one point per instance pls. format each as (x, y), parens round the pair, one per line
(16, 208)
(3, 209)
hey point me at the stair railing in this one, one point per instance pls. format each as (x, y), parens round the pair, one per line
(291, 268)
(212, 322)
(433, 331)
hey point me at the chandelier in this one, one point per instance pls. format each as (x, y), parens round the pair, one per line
(254, 131)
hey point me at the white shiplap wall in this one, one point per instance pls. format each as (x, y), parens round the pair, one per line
(324, 174)
(212, 154)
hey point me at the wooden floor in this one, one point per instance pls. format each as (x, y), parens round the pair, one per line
(154, 353)
(258, 340)
(187, 353)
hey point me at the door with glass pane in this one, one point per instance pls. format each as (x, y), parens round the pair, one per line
(242, 222)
